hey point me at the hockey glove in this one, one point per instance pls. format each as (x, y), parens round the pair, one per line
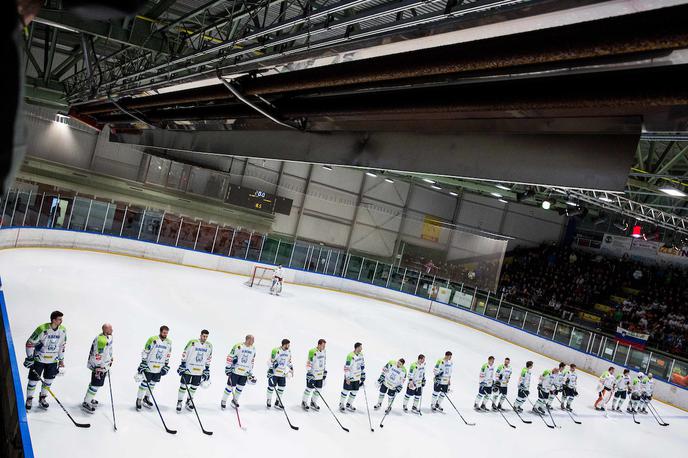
(143, 367)
(495, 389)
(181, 369)
(228, 370)
(165, 369)
(363, 377)
(28, 362)
(251, 379)
(324, 375)
(380, 380)
(271, 372)
(575, 392)
(423, 382)
(206, 374)
(398, 389)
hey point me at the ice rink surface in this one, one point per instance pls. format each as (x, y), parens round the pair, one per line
(137, 296)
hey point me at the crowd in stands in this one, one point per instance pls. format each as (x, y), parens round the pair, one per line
(565, 282)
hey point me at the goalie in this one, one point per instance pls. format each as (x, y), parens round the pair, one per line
(276, 286)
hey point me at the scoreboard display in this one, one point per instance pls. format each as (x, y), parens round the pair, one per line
(258, 200)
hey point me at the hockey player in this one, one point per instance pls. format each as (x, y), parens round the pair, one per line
(416, 382)
(623, 387)
(501, 386)
(239, 370)
(155, 363)
(45, 357)
(637, 392)
(485, 386)
(391, 382)
(99, 362)
(194, 368)
(276, 286)
(606, 385)
(316, 373)
(354, 378)
(443, 370)
(570, 388)
(649, 390)
(558, 384)
(545, 389)
(280, 368)
(523, 387)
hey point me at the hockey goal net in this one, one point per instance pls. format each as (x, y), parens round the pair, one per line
(260, 276)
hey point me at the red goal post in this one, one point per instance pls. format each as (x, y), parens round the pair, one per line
(260, 274)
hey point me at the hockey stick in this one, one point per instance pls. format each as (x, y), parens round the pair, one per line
(539, 414)
(78, 425)
(504, 417)
(387, 411)
(284, 409)
(243, 428)
(193, 404)
(328, 408)
(568, 412)
(457, 411)
(171, 431)
(528, 422)
(633, 413)
(112, 403)
(652, 410)
(420, 403)
(365, 393)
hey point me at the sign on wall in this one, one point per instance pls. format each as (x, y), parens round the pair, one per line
(431, 229)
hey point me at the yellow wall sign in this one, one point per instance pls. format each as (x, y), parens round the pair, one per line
(431, 228)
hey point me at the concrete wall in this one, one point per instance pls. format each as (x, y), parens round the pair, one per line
(23, 237)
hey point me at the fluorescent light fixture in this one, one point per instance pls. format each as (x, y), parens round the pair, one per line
(434, 186)
(61, 118)
(501, 186)
(496, 194)
(605, 198)
(327, 167)
(452, 193)
(428, 180)
(571, 203)
(371, 174)
(672, 191)
(389, 180)
(546, 204)
(504, 201)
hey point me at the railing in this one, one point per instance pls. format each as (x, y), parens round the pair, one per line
(26, 209)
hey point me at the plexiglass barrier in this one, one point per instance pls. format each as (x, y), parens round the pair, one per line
(71, 212)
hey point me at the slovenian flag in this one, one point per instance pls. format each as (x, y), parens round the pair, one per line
(633, 339)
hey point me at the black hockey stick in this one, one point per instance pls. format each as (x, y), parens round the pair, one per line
(652, 410)
(457, 411)
(171, 431)
(193, 404)
(539, 414)
(284, 409)
(78, 425)
(634, 419)
(387, 411)
(112, 403)
(503, 416)
(370, 422)
(528, 422)
(328, 408)
(568, 412)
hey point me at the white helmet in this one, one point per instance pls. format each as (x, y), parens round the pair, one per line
(641, 375)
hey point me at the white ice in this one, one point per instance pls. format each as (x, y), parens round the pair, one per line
(137, 296)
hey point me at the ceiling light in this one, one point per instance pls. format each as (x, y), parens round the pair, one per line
(452, 193)
(327, 167)
(61, 118)
(504, 201)
(371, 174)
(501, 186)
(428, 180)
(605, 198)
(673, 191)
(546, 204)
(389, 180)
(434, 186)
(496, 194)
(571, 203)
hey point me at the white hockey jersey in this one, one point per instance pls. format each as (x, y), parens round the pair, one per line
(394, 376)
(100, 355)
(316, 364)
(157, 353)
(280, 361)
(47, 345)
(443, 371)
(240, 360)
(197, 356)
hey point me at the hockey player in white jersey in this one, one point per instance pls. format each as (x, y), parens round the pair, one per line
(280, 367)
(194, 368)
(155, 363)
(623, 388)
(486, 380)
(354, 378)
(416, 382)
(501, 384)
(570, 388)
(545, 390)
(45, 351)
(606, 385)
(442, 371)
(648, 390)
(391, 382)
(557, 385)
(523, 387)
(316, 373)
(277, 278)
(239, 370)
(637, 393)
(99, 362)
